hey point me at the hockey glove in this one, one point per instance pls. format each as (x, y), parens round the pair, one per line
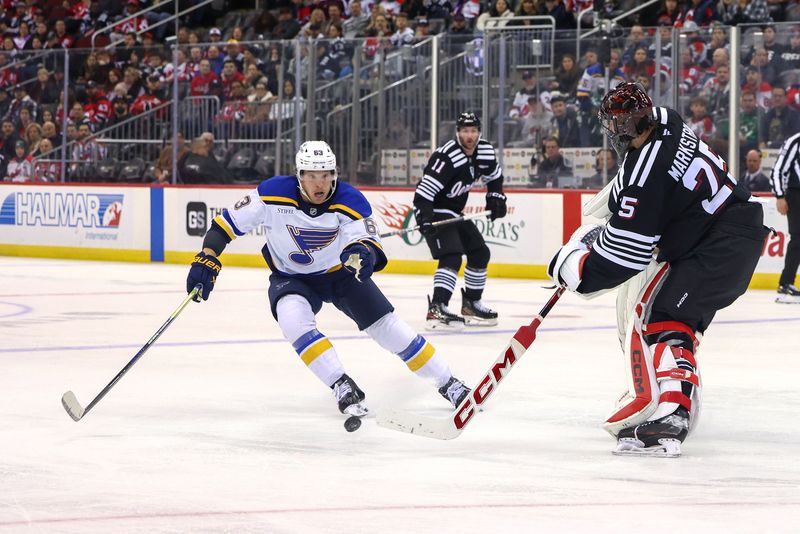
(496, 203)
(425, 223)
(204, 270)
(566, 267)
(359, 259)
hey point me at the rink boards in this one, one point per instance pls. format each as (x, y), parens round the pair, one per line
(142, 224)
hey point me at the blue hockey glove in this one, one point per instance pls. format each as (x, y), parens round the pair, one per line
(204, 270)
(496, 203)
(359, 259)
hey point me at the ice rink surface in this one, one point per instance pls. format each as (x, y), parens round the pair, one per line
(221, 428)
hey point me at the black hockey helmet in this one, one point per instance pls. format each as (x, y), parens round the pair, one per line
(625, 112)
(468, 118)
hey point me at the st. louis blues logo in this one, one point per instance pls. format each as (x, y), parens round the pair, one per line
(310, 240)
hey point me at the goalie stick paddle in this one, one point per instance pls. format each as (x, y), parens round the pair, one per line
(445, 222)
(452, 426)
(70, 401)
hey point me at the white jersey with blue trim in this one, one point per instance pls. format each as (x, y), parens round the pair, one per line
(302, 238)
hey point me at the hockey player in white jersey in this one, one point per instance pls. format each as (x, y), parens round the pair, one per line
(681, 242)
(322, 245)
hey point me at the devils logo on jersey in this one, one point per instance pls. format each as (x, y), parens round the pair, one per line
(310, 240)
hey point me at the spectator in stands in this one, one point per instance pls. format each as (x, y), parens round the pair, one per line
(264, 24)
(780, 122)
(230, 74)
(163, 165)
(754, 83)
(25, 120)
(133, 81)
(749, 122)
(551, 166)
(356, 24)
(21, 100)
(719, 38)
(717, 91)
(690, 74)
(86, 148)
(636, 39)
(214, 35)
(753, 178)
(735, 12)
(258, 104)
(206, 82)
(665, 51)
(640, 64)
(537, 122)
(5, 102)
(567, 76)
(286, 108)
(459, 34)
(216, 59)
(565, 20)
(526, 8)
(701, 12)
(252, 74)
(97, 107)
(700, 121)
(790, 55)
(316, 25)
(412, 8)
(335, 61)
(50, 133)
(200, 167)
(605, 165)
(760, 60)
(519, 106)
(233, 52)
(499, 9)
(392, 7)
(20, 168)
(153, 97)
(33, 136)
(46, 171)
(378, 25)
(44, 91)
(288, 27)
(120, 110)
(565, 127)
(403, 35)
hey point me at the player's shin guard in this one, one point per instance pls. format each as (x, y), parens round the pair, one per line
(396, 336)
(297, 322)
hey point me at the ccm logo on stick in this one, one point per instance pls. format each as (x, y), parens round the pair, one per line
(485, 388)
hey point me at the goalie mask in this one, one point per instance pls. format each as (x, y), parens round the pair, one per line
(625, 113)
(315, 156)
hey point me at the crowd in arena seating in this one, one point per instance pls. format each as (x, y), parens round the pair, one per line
(127, 71)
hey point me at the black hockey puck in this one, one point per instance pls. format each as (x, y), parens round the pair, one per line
(352, 424)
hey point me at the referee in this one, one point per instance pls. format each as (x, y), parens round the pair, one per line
(786, 186)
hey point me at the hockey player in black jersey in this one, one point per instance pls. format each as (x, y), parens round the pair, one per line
(452, 170)
(681, 242)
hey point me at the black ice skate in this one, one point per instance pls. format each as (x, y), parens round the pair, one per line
(662, 437)
(788, 294)
(350, 397)
(455, 391)
(440, 318)
(476, 313)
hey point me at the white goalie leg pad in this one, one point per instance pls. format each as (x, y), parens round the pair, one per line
(597, 206)
(671, 372)
(629, 294)
(641, 400)
(396, 336)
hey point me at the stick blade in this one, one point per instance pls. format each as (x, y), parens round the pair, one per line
(419, 425)
(72, 406)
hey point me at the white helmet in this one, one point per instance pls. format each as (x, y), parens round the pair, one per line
(315, 156)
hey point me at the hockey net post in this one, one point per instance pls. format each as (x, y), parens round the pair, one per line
(453, 425)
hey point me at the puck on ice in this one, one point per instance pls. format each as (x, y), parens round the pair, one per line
(352, 424)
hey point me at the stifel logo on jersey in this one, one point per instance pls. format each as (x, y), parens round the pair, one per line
(87, 210)
(310, 240)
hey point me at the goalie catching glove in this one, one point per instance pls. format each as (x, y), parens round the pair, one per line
(359, 259)
(566, 267)
(204, 271)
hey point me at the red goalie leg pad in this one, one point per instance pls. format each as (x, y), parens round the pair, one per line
(644, 381)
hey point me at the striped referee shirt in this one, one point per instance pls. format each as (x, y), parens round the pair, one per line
(786, 172)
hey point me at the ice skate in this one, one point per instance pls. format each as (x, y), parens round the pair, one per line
(440, 318)
(455, 391)
(659, 438)
(788, 294)
(350, 397)
(476, 313)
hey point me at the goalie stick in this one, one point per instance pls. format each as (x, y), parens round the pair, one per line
(445, 222)
(452, 426)
(70, 402)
